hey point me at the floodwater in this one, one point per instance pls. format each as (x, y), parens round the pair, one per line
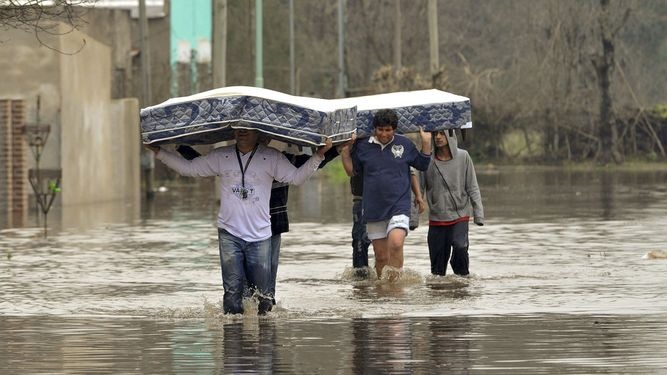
(567, 277)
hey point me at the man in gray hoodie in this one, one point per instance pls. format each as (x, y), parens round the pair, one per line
(453, 195)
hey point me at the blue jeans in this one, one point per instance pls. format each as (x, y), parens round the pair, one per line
(240, 261)
(275, 256)
(360, 241)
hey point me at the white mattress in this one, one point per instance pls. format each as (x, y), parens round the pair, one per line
(211, 116)
(432, 109)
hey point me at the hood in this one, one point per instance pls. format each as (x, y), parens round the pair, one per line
(452, 142)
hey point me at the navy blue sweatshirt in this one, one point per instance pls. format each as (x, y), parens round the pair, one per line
(386, 175)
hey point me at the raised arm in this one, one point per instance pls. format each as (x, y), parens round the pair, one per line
(345, 157)
(286, 172)
(426, 141)
(200, 167)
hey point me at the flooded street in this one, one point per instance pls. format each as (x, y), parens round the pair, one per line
(567, 276)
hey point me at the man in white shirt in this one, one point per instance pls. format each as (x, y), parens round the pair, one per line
(247, 170)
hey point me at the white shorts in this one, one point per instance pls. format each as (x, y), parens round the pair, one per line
(380, 229)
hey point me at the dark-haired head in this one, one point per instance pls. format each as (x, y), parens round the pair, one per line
(385, 117)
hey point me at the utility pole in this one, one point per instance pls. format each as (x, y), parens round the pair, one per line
(433, 36)
(219, 43)
(397, 35)
(259, 67)
(145, 55)
(292, 63)
(147, 157)
(341, 49)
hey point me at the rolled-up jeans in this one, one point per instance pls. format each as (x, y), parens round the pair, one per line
(241, 260)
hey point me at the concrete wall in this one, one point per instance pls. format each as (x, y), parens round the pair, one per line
(159, 31)
(121, 174)
(26, 72)
(97, 149)
(116, 28)
(113, 27)
(94, 139)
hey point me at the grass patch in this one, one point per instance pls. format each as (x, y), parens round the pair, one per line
(520, 144)
(335, 172)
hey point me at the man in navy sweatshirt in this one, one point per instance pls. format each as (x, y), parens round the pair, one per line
(384, 160)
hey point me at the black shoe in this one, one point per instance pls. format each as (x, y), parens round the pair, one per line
(360, 273)
(265, 305)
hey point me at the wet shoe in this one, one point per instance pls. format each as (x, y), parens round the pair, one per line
(360, 273)
(265, 305)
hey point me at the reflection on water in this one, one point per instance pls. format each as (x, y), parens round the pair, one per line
(562, 282)
(517, 344)
(550, 194)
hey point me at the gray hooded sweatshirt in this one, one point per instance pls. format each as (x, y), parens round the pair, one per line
(451, 186)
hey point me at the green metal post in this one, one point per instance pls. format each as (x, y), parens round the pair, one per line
(259, 71)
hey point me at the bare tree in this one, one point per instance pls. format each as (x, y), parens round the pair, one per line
(535, 67)
(573, 89)
(604, 66)
(34, 15)
(557, 71)
(42, 17)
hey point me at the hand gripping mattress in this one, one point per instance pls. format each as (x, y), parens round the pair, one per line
(211, 116)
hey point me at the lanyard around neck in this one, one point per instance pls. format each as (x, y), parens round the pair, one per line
(244, 168)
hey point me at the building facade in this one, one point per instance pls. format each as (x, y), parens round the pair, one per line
(82, 84)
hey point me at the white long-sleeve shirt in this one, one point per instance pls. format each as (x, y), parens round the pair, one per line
(247, 218)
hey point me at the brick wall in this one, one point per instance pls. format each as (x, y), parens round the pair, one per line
(13, 165)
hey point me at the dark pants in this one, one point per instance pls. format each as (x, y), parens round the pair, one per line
(360, 241)
(446, 240)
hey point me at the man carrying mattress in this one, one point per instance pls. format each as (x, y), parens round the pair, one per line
(247, 171)
(384, 160)
(277, 205)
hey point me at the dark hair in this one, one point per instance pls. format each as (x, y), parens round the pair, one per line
(385, 117)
